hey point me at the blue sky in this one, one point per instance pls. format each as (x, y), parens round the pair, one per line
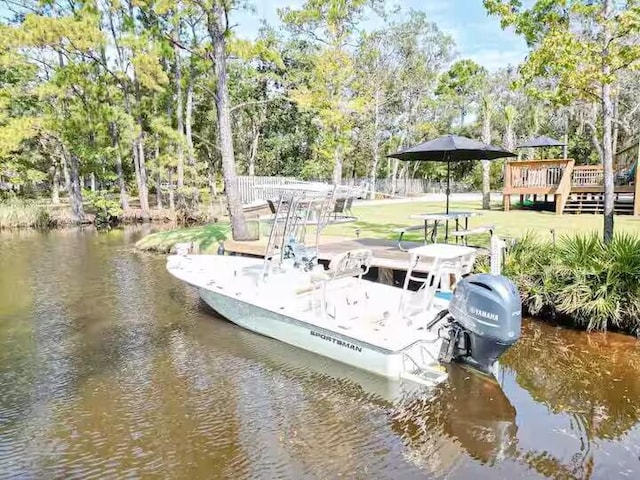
(477, 35)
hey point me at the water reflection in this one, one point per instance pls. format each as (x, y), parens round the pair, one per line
(108, 367)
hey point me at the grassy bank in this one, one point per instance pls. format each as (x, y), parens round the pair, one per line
(579, 279)
(205, 237)
(33, 214)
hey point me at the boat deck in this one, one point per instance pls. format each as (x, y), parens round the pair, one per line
(364, 311)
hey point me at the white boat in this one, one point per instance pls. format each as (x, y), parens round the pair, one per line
(400, 333)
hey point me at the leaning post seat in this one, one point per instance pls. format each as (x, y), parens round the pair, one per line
(350, 264)
(445, 260)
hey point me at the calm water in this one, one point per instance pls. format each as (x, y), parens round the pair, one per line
(110, 368)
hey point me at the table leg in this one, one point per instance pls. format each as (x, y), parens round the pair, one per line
(457, 228)
(434, 232)
(426, 225)
(466, 227)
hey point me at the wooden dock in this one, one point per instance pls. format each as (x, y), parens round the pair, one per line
(386, 254)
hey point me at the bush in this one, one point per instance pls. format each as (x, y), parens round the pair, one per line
(107, 210)
(581, 279)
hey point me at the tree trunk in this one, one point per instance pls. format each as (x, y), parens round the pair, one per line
(179, 116)
(75, 192)
(55, 183)
(254, 150)
(92, 179)
(143, 190)
(394, 176)
(211, 177)
(172, 200)
(375, 148)
(115, 143)
(337, 166)
(65, 172)
(217, 27)
(191, 161)
(158, 172)
(486, 164)
(616, 128)
(607, 121)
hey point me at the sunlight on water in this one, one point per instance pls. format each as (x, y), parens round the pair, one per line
(111, 368)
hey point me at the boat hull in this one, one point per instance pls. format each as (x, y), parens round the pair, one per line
(307, 336)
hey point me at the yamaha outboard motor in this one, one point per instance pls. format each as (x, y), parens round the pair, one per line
(485, 319)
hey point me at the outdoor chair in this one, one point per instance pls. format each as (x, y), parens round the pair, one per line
(347, 207)
(339, 207)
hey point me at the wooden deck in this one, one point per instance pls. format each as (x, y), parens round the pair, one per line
(386, 254)
(567, 183)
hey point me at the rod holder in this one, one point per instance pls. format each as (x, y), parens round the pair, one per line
(496, 249)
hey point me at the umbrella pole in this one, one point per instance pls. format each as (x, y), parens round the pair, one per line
(447, 192)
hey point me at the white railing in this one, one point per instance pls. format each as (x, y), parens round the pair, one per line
(403, 187)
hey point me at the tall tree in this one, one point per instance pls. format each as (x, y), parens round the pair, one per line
(330, 25)
(462, 85)
(581, 47)
(217, 13)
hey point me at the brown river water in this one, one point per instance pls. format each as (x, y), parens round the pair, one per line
(110, 368)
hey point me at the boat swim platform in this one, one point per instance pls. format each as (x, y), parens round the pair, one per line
(386, 254)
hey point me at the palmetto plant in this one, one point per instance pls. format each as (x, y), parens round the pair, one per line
(592, 284)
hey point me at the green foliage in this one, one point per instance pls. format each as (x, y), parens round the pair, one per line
(582, 279)
(16, 213)
(107, 210)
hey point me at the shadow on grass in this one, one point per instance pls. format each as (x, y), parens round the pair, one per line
(204, 236)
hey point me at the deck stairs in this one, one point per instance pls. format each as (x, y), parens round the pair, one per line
(593, 202)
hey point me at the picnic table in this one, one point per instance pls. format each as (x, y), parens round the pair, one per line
(433, 220)
(438, 218)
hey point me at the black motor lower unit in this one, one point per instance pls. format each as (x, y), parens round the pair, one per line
(485, 320)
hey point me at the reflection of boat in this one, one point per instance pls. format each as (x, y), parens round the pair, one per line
(469, 415)
(396, 333)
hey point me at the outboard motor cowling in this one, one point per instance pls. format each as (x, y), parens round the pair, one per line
(486, 319)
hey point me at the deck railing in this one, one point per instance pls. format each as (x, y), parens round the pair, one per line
(587, 176)
(535, 174)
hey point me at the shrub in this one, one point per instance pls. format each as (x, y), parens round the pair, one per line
(581, 279)
(107, 210)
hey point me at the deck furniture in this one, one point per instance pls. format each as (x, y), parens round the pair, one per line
(438, 218)
(464, 233)
(446, 261)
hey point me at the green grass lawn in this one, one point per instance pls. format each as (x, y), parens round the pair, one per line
(378, 221)
(206, 236)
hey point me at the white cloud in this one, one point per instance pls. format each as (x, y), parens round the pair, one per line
(495, 59)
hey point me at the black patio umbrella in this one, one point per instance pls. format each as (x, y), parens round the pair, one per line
(451, 148)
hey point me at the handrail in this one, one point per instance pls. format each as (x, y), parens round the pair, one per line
(587, 176)
(538, 174)
(529, 163)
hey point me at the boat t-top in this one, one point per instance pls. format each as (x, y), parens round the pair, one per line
(444, 315)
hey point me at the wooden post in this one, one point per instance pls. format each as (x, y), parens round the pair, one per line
(506, 192)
